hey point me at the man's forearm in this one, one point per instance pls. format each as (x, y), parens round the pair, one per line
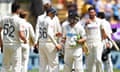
(22, 36)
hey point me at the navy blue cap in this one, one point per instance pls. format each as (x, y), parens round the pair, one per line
(52, 10)
(72, 13)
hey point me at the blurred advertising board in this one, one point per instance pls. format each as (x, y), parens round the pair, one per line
(34, 60)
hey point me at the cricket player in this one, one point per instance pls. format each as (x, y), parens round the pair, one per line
(41, 18)
(108, 63)
(73, 49)
(95, 34)
(29, 33)
(13, 31)
(48, 45)
(57, 27)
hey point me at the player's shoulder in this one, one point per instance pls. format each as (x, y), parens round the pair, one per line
(47, 19)
(98, 19)
(56, 17)
(105, 21)
(26, 23)
(78, 24)
(29, 24)
(41, 16)
(66, 26)
(17, 19)
(65, 23)
(4, 17)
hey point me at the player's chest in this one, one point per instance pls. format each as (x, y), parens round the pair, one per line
(70, 32)
(93, 26)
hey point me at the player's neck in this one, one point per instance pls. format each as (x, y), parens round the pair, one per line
(93, 18)
(72, 25)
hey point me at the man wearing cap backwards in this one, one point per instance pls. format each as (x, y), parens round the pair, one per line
(73, 36)
(48, 45)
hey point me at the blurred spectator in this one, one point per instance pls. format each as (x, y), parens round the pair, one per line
(108, 10)
(36, 7)
(72, 6)
(91, 2)
(116, 8)
(5, 7)
(98, 4)
(84, 9)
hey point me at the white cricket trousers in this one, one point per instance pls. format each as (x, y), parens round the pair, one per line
(11, 57)
(25, 57)
(73, 56)
(108, 64)
(93, 60)
(48, 57)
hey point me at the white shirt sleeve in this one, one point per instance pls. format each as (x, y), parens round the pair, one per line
(31, 31)
(57, 25)
(107, 28)
(37, 30)
(21, 26)
(63, 31)
(50, 32)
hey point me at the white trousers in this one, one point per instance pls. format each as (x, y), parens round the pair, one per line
(25, 57)
(73, 58)
(108, 64)
(11, 57)
(93, 60)
(48, 57)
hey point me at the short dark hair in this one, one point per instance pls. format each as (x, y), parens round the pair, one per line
(101, 15)
(15, 7)
(91, 8)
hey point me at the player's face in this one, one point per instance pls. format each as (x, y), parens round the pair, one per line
(92, 13)
(72, 21)
(51, 15)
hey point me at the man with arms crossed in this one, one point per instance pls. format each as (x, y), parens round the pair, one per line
(13, 31)
(95, 34)
(29, 34)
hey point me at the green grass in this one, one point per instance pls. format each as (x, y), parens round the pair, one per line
(36, 70)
